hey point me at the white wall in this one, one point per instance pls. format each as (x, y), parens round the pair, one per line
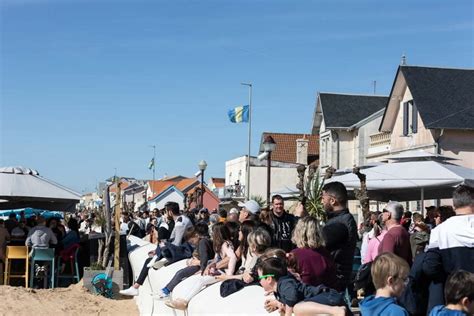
(172, 196)
(283, 175)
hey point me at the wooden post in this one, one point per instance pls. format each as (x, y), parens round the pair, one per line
(117, 227)
(361, 194)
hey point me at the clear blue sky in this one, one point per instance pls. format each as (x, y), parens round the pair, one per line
(87, 86)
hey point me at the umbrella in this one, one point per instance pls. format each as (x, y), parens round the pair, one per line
(23, 187)
(410, 180)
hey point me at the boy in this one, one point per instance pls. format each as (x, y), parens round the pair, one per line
(389, 275)
(459, 295)
(274, 278)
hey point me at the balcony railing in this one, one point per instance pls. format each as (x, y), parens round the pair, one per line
(380, 139)
(230, 191)
(379, 144)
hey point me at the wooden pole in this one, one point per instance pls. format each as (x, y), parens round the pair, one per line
(117, 227)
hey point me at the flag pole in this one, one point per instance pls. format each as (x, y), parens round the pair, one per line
(247, 182)
(154, 161)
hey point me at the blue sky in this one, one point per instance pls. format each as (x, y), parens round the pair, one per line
(87, 86)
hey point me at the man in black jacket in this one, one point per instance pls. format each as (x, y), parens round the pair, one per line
(340, 231)
(283, 224)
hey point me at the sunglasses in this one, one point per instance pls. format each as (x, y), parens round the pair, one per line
(263, 277)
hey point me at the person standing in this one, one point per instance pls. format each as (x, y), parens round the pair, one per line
(397, 239)
(282, 225)
(340, 231)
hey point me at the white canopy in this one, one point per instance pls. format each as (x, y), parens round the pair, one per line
(410, 180)
(23, 187)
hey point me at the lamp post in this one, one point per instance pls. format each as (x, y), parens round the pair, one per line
(202, 166)
(269, 145)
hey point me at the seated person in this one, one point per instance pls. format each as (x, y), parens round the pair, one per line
(459, 296)
(294, 296)
(162, 253)
(41, 236)
(223, 248)
(198, 263)
(258, 241)
(389, 275)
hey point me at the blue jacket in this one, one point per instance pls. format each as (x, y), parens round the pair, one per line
(384, 306)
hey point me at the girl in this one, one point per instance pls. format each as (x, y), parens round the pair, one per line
(191, 286)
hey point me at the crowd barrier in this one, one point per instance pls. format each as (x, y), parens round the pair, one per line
(248, 301)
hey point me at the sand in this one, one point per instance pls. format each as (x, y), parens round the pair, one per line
(73, 300)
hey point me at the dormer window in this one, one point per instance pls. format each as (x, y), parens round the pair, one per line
(410, 118)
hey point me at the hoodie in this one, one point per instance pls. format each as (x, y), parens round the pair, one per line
(384, 306)
(441, 310)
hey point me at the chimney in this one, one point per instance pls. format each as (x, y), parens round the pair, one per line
(302, 150)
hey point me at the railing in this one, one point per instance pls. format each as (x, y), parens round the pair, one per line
(379, 144)
(230, 191)
(380, 139)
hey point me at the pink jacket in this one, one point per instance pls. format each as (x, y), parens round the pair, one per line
(373, 248)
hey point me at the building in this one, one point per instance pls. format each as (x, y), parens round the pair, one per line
(184, 191)
(291, 151)
(345, 123)
(432, 109)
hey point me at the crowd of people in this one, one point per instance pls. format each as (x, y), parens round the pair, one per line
(410, 265)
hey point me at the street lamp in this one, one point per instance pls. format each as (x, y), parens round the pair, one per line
(202, 166)
(269, 145)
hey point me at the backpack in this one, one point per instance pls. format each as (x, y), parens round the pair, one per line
(363, 279)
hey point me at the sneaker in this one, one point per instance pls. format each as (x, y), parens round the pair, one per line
(131, 291)
(161, 295)
(152, 261)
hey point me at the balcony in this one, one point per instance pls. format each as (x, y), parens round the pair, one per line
(230, 192)
(379, 144)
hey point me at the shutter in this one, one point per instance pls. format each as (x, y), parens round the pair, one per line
(414, 118)
(405, 118)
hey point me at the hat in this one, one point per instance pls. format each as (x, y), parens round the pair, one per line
(204, 210)
(233, 211)
(395, 208)
(251, 206)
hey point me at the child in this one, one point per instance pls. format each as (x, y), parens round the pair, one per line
(223, 249)
(274, 278)
(389, 275)
(459, 295)
(202, 254)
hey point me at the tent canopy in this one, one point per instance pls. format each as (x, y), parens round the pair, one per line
(410, 180)
(23, 187)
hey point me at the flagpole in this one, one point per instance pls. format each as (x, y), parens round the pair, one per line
(247, 184)
(154, 162)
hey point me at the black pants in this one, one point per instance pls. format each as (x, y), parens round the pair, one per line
(143, 272)
(181, 275)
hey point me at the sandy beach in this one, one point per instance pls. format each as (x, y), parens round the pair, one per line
(73, 300)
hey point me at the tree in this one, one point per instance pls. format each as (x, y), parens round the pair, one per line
(104, 219)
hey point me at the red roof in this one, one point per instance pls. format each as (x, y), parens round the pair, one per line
(181, 183)
(286, 146)
(218, 182)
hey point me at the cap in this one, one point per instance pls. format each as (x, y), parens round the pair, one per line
(251, 206)
(233, 211)
(395, 208)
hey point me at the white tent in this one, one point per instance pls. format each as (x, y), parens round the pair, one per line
(410, 180)
(23, 187)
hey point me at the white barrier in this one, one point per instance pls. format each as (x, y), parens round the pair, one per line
(248, 301)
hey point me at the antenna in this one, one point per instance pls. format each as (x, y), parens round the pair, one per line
(375, 86)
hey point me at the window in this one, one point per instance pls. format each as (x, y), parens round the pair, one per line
(324, 151)
(410, 118)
